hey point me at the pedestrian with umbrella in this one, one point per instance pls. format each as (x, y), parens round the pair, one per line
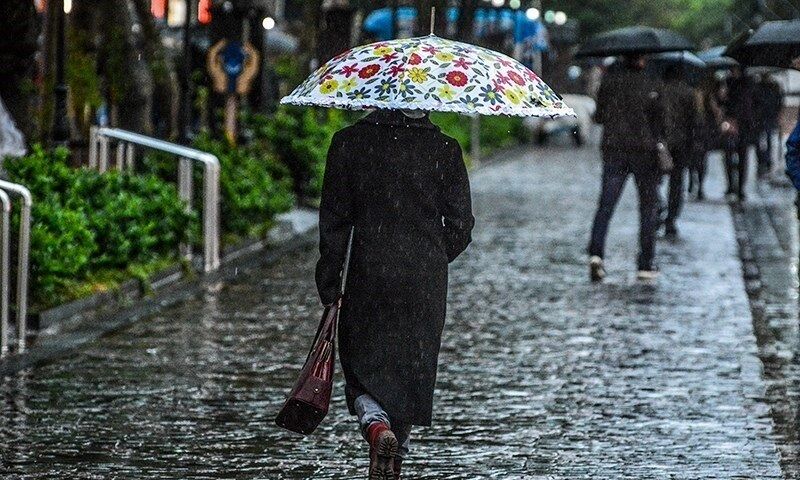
(631, 108)
(774, 44)
(402, 187)
(681, 123)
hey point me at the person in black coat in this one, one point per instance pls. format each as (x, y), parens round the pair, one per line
(403, 187)
(631, 109)
(681, 121)
(740, 108)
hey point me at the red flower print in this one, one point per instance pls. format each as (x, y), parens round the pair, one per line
(389, 57)
(415, 59)
(502, 80)
(430, 49)
(516, 78)
(462, 63)
(505, 62)
(348, 70)
(457, 78)
(369, 71)
(396, 70)
(531, 76)
(498, 85)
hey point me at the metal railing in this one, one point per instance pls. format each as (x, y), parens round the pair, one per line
(23, 250)
(99, 155)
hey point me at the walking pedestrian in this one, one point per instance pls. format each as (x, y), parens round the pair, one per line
(403, 187)
(768, 103)
(742, 132)
(708, 135)
(630, 108)
(681, 121)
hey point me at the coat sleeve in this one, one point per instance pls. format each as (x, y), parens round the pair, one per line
(335, 220)
(793, 157)
(457, 205)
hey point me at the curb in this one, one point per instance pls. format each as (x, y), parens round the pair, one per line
(93, 317)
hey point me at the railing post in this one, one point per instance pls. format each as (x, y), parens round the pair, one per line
(22, 258)
(211, 216)
(93, 147)
(120, 155)
(185, 190)
(103, 161)
(129, 157)
(5, 233)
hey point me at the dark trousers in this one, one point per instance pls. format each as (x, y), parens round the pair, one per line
(764, 149)
(682, 157)
(645, 173)
(736, 165)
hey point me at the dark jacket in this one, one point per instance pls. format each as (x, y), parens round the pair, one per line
(768, 103)
(681, 116)
(631, 110)
(793, 156)
(741, 107)
(403, 185)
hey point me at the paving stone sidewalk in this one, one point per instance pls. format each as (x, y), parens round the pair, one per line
(543, 374)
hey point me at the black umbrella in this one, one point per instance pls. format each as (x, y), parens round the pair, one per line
(773, 44)
(634, 41)
(690, 64)
(716, 60)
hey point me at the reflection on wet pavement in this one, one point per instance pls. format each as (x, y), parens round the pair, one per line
(543, 375)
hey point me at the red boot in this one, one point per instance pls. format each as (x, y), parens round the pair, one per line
(382, 451)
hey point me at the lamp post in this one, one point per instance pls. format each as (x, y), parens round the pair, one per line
(60, 131)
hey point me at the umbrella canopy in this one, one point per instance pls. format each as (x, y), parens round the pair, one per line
(634, 41)
(716, 60)
(429, 73)
(774, 44)
(692, 67)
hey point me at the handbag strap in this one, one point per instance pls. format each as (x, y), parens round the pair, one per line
(346, 266)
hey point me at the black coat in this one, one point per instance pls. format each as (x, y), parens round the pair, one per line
(403, 185)
(632, 111)
(681, 116)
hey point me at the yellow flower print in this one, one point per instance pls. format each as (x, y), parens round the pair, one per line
(445, 56)
(329, 86)
(514, 95)
(381, 51)
(349, 84)
(447, 92)
(417, 75)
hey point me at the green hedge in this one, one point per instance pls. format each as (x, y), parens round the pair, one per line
(86, 223)
(300, 137)
(496, 131)
(254, 185)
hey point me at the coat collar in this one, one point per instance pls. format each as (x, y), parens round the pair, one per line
(396, 118)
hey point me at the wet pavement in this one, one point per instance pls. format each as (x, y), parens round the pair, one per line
(768, 231)
(543, 375)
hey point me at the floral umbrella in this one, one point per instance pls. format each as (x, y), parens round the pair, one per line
(429, 73)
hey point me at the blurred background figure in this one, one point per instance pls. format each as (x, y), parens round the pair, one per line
(707, 136)
(741, 131)
(768, 105)
(681, 119)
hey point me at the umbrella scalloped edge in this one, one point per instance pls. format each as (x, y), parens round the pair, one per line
(347, 104)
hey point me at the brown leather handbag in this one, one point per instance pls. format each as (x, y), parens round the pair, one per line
(310, 398)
